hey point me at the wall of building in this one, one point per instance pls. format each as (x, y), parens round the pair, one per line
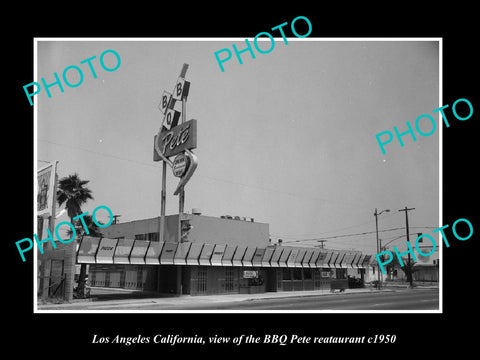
(208, 280)
(205, 229)
(213, 230)
(193, 268)
(371, 274)
(426, 273)
(56, 266)
(135, 277)
(130, 229)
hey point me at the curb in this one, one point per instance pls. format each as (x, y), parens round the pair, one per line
(320, 294)
(225, 298)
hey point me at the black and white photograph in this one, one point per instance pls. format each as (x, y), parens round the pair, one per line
(276, 187)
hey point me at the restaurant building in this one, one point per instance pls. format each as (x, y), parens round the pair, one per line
(203, 255)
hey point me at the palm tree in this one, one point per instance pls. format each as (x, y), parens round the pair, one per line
(74, 194)
(93, 229)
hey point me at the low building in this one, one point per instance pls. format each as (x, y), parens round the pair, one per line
(209, 255)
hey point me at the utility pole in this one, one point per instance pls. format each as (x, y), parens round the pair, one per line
(380, 249)
(376, 214)
(408, 241)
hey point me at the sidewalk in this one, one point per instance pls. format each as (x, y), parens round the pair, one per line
(127, 298)
(394, 285)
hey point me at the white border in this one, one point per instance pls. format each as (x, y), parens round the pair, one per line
(35, 75)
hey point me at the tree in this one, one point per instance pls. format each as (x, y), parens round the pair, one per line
(93, 229)
(72, 192)
(408, 267)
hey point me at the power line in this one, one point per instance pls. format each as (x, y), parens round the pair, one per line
(98, 153)
(325, 232)
(424, 227)
(346, 235)
(291, 236)
(249, 186)
(355, 242)
(205, 177)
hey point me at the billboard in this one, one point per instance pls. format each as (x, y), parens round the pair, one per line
(46, 177)
(176, 140)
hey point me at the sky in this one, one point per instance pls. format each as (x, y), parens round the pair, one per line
(287, 138)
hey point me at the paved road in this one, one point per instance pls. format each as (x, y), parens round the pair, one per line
(407, 299)
(397, 300)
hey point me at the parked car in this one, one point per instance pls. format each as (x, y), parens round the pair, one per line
(355, 283)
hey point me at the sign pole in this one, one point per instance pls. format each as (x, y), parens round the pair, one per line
(181, 197)
(177, 139)
(163, 200)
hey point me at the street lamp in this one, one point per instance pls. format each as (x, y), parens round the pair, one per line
(378, 248)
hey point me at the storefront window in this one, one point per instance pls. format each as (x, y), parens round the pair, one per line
(152, 236)
(139, 277)
(201, 281)
(256, 281)
(297, 274)
(307, 274)
(341, 274)
(229, 280)
(149, 236)
(287, 275)
(40, 226)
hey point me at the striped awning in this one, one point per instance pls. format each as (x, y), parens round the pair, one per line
(105, 251)
(248, 256)
(306, 258)
(153, 253)
(139, 252)
(194, 254)
(238, 256)
(332, 259)
(218, 253)
(267, 255)
(180, 257)
(258, 257)
(313, 260)
(206, 254)
(322, 260)
(228, 255)
(95, 250)
(122, 251)
(87, 250)
(282, 262)
(277, 253)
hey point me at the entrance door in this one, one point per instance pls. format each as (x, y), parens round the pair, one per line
(271, 281)
(202, 281)
(186, 280)
(229, 280)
